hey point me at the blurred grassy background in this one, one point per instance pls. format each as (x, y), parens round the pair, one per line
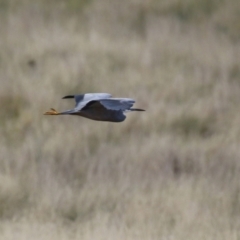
(172, 172)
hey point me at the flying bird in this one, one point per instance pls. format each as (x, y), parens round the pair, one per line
(99, 107)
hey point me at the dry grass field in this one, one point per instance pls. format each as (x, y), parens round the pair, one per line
(170, 173)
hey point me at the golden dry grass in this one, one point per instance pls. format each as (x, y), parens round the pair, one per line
(172, 172)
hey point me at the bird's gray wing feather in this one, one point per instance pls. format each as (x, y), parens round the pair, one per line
(90, 97)
(95, 96)
(116, 104)
(97, 110)
(82, 99)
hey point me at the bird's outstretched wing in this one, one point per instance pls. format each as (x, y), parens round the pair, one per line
(83, 99)
(122, 104)
(98, 110)
(115, 104)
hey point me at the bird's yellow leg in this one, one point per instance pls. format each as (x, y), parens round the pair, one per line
(52, 112)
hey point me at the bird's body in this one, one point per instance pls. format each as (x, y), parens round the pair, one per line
(99, 107)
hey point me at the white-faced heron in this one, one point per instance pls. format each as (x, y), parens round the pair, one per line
(99, 107)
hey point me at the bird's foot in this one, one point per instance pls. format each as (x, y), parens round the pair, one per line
(51, 112)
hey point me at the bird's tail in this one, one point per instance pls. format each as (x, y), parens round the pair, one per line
(137, 109)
